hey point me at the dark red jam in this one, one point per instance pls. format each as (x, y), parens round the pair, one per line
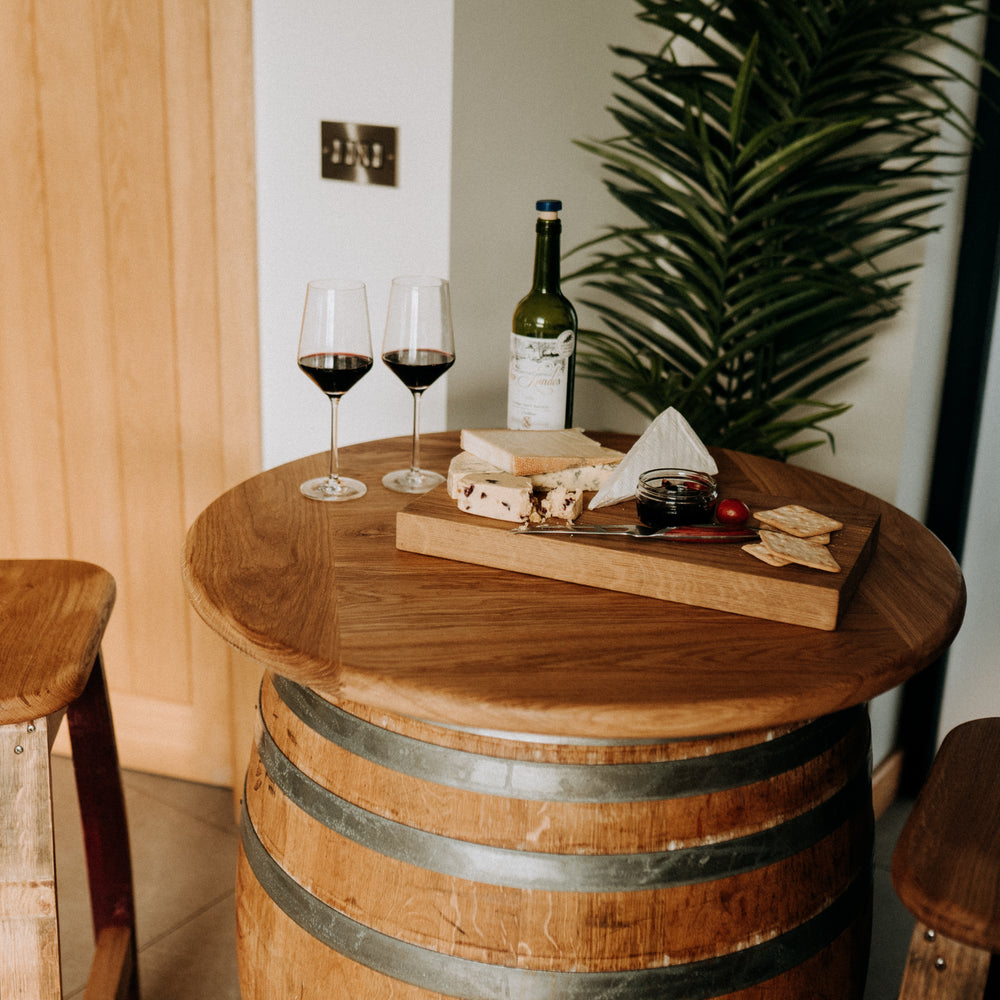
(666, 498)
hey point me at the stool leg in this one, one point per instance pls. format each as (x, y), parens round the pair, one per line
(29, 931)
(114, 973)
(938, 968)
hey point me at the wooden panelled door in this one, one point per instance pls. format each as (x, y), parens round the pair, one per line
(128, 333)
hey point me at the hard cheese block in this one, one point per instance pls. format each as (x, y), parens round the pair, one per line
(708, 575)
(527, 453)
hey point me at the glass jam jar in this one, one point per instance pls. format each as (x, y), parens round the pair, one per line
(665, 498)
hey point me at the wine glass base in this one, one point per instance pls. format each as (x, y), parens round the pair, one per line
(412, 480)
(326, 488)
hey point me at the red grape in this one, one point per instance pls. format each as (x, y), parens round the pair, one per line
(731, 511)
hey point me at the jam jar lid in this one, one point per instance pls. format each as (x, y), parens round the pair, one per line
(667, 497)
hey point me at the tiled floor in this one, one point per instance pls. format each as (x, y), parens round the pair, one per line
(892, 925)
(184, 841)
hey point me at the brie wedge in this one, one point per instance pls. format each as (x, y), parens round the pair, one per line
(668, 443)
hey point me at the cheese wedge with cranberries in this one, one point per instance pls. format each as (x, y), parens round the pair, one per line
(499, 495)
(505, 497)
(580, 477)
(513, 475)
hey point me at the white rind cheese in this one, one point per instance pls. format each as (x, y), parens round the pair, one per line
(504, 497)
(581, 477)
(466, 464)
(667, 443)
(498, 495)
(565, 504)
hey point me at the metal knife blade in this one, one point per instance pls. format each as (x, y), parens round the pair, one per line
(681, 533)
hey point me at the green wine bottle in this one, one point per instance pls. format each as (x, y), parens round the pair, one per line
(543, 338)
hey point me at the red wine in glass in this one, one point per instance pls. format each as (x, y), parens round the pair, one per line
(418, 369)
(335, 351)
(335, 373)
(419, 347)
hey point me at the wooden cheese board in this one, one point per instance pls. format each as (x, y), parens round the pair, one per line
(709, 575)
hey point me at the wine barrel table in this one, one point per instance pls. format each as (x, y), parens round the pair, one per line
(470, 783)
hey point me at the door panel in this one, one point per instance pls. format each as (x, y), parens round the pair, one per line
(128, 331)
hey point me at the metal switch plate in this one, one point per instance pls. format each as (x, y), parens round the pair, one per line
(364, 154)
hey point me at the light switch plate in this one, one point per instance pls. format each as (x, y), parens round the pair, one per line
(363, 154)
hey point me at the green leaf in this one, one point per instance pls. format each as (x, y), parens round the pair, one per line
(741, 94)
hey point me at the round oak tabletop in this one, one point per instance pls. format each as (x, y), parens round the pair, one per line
(318, 592)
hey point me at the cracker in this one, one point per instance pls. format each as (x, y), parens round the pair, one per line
(760, 551)
(796, 520)
(800, 551)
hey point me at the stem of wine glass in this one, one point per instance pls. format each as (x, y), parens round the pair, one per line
(334, 458)
(415, 451)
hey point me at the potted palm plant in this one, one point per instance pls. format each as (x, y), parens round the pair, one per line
(776, 154)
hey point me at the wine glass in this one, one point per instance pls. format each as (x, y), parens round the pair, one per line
(419, 348)
(335, 351)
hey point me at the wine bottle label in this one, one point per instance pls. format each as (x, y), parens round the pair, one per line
(539, 381)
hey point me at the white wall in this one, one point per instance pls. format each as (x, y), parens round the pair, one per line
(338, 60)
(972, 683)
(530, 78)
(885, 442)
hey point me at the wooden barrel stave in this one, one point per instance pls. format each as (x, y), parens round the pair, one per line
(711, 932)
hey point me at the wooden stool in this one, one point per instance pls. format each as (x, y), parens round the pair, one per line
(52, 618)
(946, 868)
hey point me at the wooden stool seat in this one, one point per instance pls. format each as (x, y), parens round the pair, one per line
(946, 867)
(52, 619)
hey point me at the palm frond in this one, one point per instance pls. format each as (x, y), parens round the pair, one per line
(773, 171)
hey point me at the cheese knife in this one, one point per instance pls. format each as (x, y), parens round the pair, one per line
(680, 533)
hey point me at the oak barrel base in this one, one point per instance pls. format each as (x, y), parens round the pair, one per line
(385, 857)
